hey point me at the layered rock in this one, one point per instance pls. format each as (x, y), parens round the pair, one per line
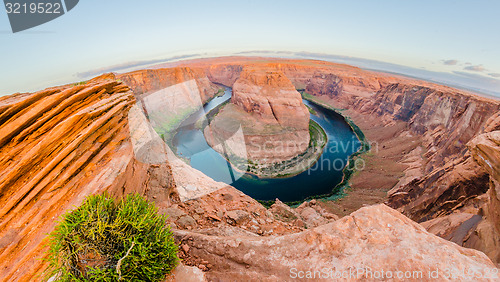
(325, 84)
(370, 240)
(224, 74)
(58, 146)
(460, 179)
(270, 95)
(442, 184)
(145, 82)
(271, 115)
(485, 150)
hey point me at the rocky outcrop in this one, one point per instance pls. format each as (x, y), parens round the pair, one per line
(58, 146)
(485, 150)
(225, 74)
(472, 219)
(458, 178)
(271, 115)
(439, 176)
(370, 240)
(145, 82)
(447, 119)
(308, 214)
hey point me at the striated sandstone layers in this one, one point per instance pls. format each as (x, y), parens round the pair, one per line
(274, 121)
(58, 146)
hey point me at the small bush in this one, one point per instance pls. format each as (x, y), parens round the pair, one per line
(108, 240)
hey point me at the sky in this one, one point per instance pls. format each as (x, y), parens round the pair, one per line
(457, 38)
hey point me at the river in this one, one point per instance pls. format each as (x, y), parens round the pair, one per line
(321, 178)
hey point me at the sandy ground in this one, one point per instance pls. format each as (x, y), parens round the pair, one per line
(382, 168)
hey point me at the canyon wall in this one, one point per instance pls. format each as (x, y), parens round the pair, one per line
(271, 96)
(445, 118)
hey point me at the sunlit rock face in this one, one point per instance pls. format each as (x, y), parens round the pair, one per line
(58, 146)
(274, 120)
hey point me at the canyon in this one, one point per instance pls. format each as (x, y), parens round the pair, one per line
(430, 181)
(274, 121)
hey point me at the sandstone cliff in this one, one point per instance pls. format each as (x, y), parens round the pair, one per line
(370, 240)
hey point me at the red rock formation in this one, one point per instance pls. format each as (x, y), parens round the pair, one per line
(58, 146)
(270, 111)
(272, 96)
(443, 176)
(170, 95)
(144, 82)
(325, 84)
(224, 74)
(485, 150)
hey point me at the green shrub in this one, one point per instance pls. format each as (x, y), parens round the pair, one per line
(108, 240)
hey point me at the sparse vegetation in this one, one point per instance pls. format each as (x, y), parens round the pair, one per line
(109, 240)
(311, 110)
(80, 83)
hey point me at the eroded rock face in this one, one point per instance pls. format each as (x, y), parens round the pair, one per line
(61, 144)
(325, 84)
(145, 82)
(272, 96)
(439, 176)
(441, 191)
(58, 146)
(375, 238)
(224, 74)
(447, 119)
(269, 111)
(460, 179)
(485, 149)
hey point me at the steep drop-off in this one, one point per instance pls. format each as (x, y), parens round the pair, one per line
(170, 95)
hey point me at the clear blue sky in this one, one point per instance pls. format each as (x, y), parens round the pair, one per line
(96, 34)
